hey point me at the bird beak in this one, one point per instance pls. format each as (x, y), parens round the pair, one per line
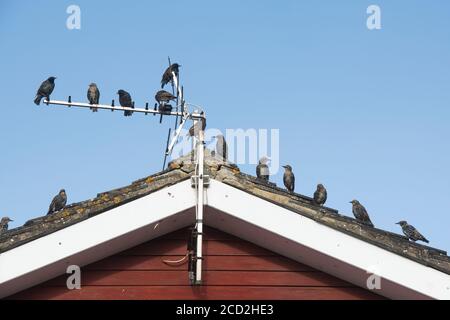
(397, 223)
(350, 202)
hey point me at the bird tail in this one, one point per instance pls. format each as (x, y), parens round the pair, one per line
(425, 240)
(37, 100)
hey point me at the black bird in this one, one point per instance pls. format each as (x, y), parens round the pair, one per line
(195, 128)
(4, 224)
(411, 232)
(125, 101)
(221, 147)
(58, 202)
(45, 90)
(262, 169)
(167, 76)
(289, 178)
(360, 213)
(164, 96)
(320, 196)
(93, 95)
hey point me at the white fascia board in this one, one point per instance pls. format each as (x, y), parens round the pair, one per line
(111, 232)
(320, 246)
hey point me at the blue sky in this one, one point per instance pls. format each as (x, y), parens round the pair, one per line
(363, 112)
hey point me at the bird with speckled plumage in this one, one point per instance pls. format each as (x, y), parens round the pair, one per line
(221, 147)
(4, 224)
(262, 169)
(320, 196)
(360, 213)
(411, 233)
(58, 203)
(93, 95)
(289, 178)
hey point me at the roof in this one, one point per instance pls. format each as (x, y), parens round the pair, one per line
(277, 205)
(181, 169)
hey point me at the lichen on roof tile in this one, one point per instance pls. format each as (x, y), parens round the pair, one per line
(183, 168)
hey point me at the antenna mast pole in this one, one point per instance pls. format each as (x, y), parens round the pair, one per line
(199, 148)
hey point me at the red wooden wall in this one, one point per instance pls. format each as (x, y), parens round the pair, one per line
(233, 269)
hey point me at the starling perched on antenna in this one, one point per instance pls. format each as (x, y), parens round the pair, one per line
(4, 224)
(360, 213)
(221, 147)
(125, 101)
(167, 76)
(164, 96)
(45, 90)
(93, 95)
(289, 178)
(195, 128)
(320, 196)
(262, 169)
(58, 202)
(411, 232)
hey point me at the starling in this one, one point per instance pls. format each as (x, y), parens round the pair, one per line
(289, 178)
(4, 224)
(411, 232)
(58, 202)
(360, 213)
(262, 169)
(45, 90)
(93, 95)
(167, 76)
(221, 147)
(125, 101)
(164, 96)
(195, 128)
(320, 196)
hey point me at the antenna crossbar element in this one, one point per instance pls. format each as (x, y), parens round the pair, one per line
(192, 116)
(109, 107)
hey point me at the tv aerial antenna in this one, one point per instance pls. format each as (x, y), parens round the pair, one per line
(182, 115)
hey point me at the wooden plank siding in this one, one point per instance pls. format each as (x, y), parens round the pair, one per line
(233, 269)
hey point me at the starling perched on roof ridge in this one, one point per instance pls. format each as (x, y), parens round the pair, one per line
(4, 224)
(289, 178)
(125, 101)
(45, 90)
(167, 75)
(262, 169)
(411, 232)
(360, 213)
(320, 196)
(221, 147)
(58, 203)
(93, 95)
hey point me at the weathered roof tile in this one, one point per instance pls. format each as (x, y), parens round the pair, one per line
(228, 173)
